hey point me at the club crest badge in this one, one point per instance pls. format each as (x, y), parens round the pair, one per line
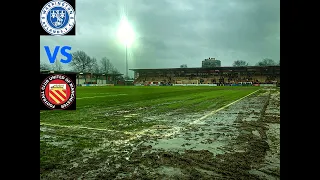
(57, 91)
(57, 17)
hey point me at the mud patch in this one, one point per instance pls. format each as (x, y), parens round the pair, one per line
(237, 143)
(170, 171)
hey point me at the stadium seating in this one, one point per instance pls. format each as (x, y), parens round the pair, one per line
(213, 79)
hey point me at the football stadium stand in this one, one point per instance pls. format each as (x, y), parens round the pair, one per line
(219, 76)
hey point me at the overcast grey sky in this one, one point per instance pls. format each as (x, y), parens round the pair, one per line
(174, 32)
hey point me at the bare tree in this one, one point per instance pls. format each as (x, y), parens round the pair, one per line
(95, 67)
(106, 65)
(81, 62)
(183, 66)
(44, 66)
(57, 66)
(119, 78)
(240, 63)
(114, 71)
(266, 62)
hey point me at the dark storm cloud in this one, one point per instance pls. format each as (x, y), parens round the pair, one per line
(174, 32)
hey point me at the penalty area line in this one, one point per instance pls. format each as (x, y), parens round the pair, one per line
(217, 110)
(178, 129)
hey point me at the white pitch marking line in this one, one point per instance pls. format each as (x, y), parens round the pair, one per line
(91, 97)
(215, 111)
(83, 127)
(178, 129)
(118, 142)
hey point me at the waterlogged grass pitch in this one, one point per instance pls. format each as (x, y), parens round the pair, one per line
(78, 143)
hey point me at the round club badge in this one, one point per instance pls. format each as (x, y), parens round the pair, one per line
(57, 91)
(57, 17)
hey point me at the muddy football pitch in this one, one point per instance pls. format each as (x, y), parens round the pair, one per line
(125, 132)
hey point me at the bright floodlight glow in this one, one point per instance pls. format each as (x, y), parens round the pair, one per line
(125, 32)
